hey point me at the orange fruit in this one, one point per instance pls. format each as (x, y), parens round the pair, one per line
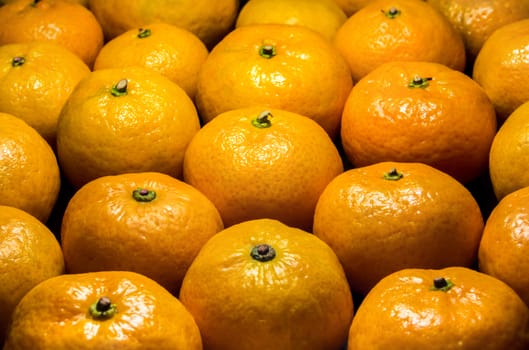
(389, 216)
(504, 247)
(351, 6)
(29, 176)
(124, 120)
(148, 223)
(398, 30)
(451, 308)
(174, 52)
(67, 23)
(475, 20)
(264, 285)
(322, 16)
(501, 67)
(254, 163)
(412, 112)
(29, 254)
(101, 310)
(36, 78)
(509, 154)
(277, 66)
(209, 20)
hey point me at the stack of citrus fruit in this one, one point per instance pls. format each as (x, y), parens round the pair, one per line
(273, 174)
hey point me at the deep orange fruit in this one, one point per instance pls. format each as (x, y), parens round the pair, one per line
(263, 285)
(101, 310)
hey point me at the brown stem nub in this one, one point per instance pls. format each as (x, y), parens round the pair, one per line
(143, 195)
(442, 284)
(392, 12)
(102, 309)
(18, 61)
(263, 252)
(263, 120)
(267, 51)
(144, 33)
(393, 175)
(120, 88)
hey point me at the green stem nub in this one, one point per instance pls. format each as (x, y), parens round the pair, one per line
(393, 175)
(120, 88)
(419, 82)
(143, 195)
(144, 33)
(102, 309)
(267, 51)
(18, 61)
(392, 12)
(442, 284)
(263, 120)
(263, 252)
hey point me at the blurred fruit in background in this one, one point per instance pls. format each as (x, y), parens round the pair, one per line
(351, 6)
(65, 22)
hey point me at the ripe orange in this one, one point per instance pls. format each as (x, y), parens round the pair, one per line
(351, 6)
(277, 66)
(509, 154)
(148, 223)
(389, 216)
(413, 112)
(36, 78)
(209, 20)
(124, 120)
(172, 51)
(322, 16)
(452, 308)
(398, 30)
(504, 247)
(254, 163)
(29, 176)
(263, 285)
(101, 310)
(501, 67)
(68, 23)
(476, 20)
(29, 254)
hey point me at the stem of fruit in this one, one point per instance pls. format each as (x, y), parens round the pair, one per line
(393, 175)
(102, 309)
(120, 88)
(267, 51)
(144, 33)
(143, 195)
(35, 2)
(442, 284)
(263, 252)
(263, 120)
(18, 61)
(419, 82)
(392, 12)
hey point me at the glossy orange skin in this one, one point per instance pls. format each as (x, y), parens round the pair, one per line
(66, 22)
(476, 20)
(502, 65)
(403, 312)
(504, 248)
(174, 52)
(509, 154)
(419, 32)
(386, 120)
(29, 254)
(251, 173)
(36, 90)
(307, 75)
(105, 228)
(298, 300)
(54, 315)
(147, 129)
(377, 226)
(29, 172)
